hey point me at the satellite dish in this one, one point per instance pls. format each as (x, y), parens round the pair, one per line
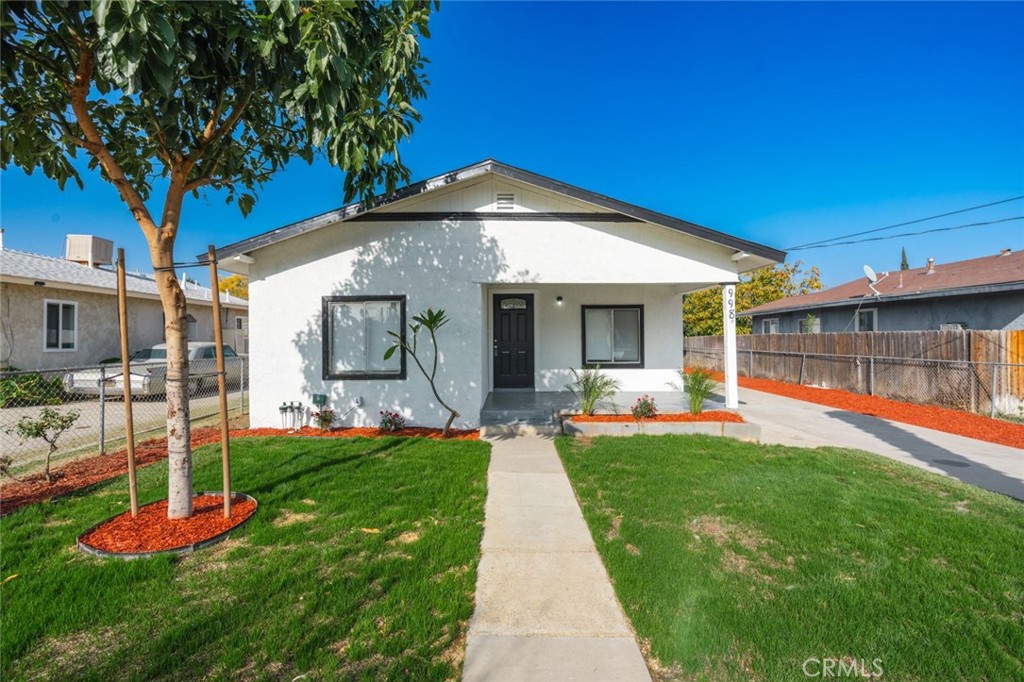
(870, 274)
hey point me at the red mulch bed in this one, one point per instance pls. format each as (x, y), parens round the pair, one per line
(152, 531)
(89, 471)
(710, 416)
(930, 417)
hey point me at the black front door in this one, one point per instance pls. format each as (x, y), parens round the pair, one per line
(513, 341)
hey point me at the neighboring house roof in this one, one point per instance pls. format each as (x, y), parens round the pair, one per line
(28, 268)
(356, 211)
(989, 274)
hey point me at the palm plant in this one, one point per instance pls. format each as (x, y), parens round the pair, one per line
(698, 386)
(591, 386)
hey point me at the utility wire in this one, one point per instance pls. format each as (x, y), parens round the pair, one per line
(905, 234)
(909, 222)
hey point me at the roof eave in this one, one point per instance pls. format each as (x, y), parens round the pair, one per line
(345, 213)
(1007, 287)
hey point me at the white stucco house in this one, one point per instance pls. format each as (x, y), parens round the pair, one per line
(537, 277)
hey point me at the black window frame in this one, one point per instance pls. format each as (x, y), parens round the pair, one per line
(325, 333)
(583, 336)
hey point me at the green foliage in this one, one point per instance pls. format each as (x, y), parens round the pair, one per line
(26, 390)
(702, 310)
(644, 408)
(312, 596)
(219, 94)
(809, 323)
(904, 263)
(235, 285)
(431, 320)
(48, 426)
(738, 561)
(698, 387)
(591, 387)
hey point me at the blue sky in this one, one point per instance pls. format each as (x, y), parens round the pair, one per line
(783, 123)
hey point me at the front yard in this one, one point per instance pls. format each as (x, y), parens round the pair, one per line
(360, 563)
(738, 562)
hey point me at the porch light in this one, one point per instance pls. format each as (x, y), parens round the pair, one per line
(559, 300)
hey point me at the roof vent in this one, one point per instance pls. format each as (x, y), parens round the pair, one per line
(1004, 252)
(88, 250)
(931, 266)
(506, 201)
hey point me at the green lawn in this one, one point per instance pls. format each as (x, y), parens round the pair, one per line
(301, 590)
(737, 561)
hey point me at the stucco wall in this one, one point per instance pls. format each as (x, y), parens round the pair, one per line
(455, 266)
(22, 326)
(992, 311)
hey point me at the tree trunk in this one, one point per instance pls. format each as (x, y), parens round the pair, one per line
(179, 451)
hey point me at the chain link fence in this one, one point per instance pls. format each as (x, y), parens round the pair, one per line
(94, 393)
(990, 388)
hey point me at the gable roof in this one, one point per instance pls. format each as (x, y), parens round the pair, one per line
(33, 267)
(356, 211)
(1003, 272)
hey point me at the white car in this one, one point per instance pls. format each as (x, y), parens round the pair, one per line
(148, 372)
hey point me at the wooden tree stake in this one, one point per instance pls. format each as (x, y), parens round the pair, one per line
(129, 424)
(222, 387)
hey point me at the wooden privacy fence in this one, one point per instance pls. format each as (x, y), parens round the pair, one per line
(978, 371)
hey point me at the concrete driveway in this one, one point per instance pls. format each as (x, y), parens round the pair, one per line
(793, 422)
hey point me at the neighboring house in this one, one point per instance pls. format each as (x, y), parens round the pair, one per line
(537, 277)
(981, 293)
(57, 313)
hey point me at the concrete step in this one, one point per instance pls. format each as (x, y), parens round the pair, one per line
(529, 415)
(506, 431)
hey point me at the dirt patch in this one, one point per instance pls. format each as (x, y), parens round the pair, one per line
(613, 532)
(961, 507)
(632, 549)
(455, 652)
(409, 537)
(79, 651)
(730, 537)
(288, 517)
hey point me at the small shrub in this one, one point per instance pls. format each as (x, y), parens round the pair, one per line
(26, 390)
(590, 387)
(324, 418)
(49, 426)
(698, 386)
(391, 422)
(644, 408)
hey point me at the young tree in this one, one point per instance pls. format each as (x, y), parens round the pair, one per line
(181, 97)
(904, 264)
(236, 285)
(431, 320)
(702, 310)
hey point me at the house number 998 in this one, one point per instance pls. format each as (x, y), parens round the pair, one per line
(731, 304)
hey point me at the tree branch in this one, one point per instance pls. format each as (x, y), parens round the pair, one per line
(80, 105)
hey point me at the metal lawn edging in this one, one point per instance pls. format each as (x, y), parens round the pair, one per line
(184, 549)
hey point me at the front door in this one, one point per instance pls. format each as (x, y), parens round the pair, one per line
(513, 340)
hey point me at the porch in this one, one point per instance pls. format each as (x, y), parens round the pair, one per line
(509, 407)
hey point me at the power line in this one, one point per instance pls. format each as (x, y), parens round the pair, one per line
(909, 222)
(905, 234)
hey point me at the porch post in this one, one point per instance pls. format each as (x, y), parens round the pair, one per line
(732, 396)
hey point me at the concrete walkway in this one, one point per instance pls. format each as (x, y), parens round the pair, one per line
(794, 422)
(545, 608)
